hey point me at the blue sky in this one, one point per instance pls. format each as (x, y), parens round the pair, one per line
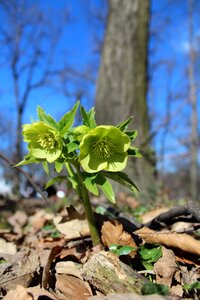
(169, 45)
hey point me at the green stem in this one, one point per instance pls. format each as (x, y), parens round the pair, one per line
(88, 210)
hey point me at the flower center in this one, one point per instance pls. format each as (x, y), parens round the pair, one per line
(47, 141)
(103, 148)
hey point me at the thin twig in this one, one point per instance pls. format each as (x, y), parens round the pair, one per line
(32, 182)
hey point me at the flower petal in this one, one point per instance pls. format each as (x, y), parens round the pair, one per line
(117, 162)
(92, 164)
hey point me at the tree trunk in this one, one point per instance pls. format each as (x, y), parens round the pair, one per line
(194, 121)
(122, 83)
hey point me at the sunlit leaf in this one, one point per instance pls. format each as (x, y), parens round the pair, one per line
(121, 178)
(89, 181)
(88, 117)
(46, 118)
(57, 179)
(124, 125)
(68, 119)
(106, 187)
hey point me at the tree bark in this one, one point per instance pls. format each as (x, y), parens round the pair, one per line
(194, 117)
(109, 275)
(122, 83)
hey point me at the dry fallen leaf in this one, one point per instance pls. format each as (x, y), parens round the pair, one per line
(72, 287)
(19, 293)
(132, 297)
(18, 220)
(112, 233)
(72, 229)
(33, 293)
(7, 247)
(19, 270)
(150, 215)
(180, 241)
(69, 268)
(39, 219)
(166, 270)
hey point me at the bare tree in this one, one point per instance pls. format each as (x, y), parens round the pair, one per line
(28, 38)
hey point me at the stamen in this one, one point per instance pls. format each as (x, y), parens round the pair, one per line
(103, 148)
(47, 141)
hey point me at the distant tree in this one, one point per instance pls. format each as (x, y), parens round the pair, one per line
(122, 83)
(29, 38)
(193, 102)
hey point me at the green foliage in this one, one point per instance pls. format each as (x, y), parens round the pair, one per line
(121, 250)
(52, 231)
(2, 261)
(192, 286)
(149, 254)
(150, 288)
(88, 117)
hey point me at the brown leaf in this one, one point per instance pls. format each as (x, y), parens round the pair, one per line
(112, 233)
(72, 287)
(47, 264)
(20, 293)
(150, 215)
(39, 219)
(166, 267)
(7, 247)
(69, 268)
(33, 293)
(132, 297)
(166, 270)
(20, 270)
(72, 229)
(180, 241)
(18, 220)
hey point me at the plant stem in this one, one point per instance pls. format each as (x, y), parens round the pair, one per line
(88, 210)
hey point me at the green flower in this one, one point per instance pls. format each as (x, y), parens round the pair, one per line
(104, 148)
(44, 142)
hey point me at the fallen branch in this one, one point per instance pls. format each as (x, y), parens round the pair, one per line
(186, 213)
(109, 275)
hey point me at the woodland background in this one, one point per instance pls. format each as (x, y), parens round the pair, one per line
(126, 58)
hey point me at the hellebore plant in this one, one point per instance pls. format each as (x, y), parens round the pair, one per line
(91, 154)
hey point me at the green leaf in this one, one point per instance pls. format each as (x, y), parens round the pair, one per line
(74, 181)
(46, 118)
(68, 119)
(72, 146)
(125, 250)
(113, 248)
(89, 182)
(124, 125)
(150, 288)
(57, 179)
(101, 210)
(88, 117)
(149, 254)
(106, 187)
(28, 159)
(121, 178)
(192, 286)
(58, 166)
(132, 134)
(45, 167)
(134, 152)
(2, 261)
(121, 250)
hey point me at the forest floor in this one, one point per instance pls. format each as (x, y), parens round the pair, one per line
(46, 251)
